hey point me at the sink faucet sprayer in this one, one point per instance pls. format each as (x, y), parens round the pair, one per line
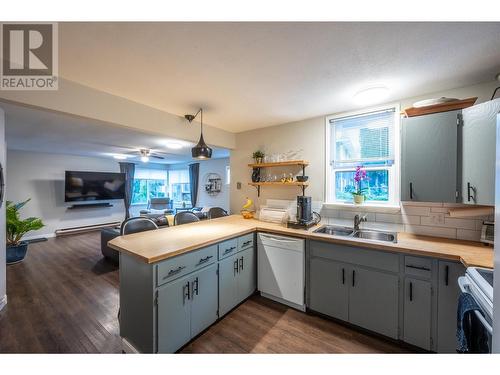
(358, 220)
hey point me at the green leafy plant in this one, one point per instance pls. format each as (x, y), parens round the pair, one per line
(17, 228)
(258, 154)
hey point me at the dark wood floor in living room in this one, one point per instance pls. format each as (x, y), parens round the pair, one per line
(64, 299)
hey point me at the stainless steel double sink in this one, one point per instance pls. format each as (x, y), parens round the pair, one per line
(367, 234)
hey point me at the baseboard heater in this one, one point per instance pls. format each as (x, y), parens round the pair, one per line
(86, 228)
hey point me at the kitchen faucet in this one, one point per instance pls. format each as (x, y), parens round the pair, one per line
(358, 220)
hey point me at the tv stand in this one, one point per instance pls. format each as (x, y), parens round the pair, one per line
(89, 205)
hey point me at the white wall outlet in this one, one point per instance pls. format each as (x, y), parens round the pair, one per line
(437, 217)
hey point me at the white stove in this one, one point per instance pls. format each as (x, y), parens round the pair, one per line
(479, 282)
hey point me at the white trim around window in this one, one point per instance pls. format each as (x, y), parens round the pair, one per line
(394, 170)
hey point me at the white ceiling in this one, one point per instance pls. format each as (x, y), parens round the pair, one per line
(29, 129)
(251, 75)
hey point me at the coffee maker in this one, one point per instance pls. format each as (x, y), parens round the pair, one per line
(305, 215)
(304, 209)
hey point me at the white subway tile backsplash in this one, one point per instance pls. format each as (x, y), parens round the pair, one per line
(431, 231)
(397, 218)
(416, 210)
(469, 235)
(460, 223)
(370, 216)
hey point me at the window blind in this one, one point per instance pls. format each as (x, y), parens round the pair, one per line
(366, 139)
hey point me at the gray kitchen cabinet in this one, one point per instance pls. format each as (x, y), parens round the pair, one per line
(478, 153)
(329, 290)
(247, 273)
(204, 304)
(373, 300)
(429, 157)
(174, 315)
(364, 295)
(448, 293)
(228, 286)
(186, 307)
(237, 279)
(418, 313)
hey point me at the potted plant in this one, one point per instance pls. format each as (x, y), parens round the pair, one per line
(359, 193)
(258, 156)
(16, 229)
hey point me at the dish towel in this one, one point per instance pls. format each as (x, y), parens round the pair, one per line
(472, 336)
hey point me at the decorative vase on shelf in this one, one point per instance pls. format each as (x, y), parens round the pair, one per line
(358, 199)
(258, 160)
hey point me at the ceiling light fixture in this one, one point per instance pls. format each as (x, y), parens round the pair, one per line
(144, 155)
(201, 150)
(174, 145)
(371, 95)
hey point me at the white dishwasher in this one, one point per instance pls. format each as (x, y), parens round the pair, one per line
(281, 269)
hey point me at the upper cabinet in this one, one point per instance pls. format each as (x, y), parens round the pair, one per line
(429, 149)
(450, 156)
(478, 153)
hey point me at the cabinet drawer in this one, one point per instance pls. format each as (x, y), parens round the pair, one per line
(417, 266)
(356, 255)
(246, 241)
(228, 248)
(204, 257)
(173, 268)
(181, 265)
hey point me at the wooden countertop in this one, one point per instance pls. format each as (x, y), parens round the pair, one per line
(154, 246)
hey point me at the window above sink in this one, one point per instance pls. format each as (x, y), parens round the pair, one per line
(370, 139)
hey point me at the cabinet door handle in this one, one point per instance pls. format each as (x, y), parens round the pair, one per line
(469, 195)
(353, 277)
(235, 267)
(195, 286)
(186, 292)
(343, 275)
(247, 242)
(411, 190)
(206, 259)
(174, 272)
(411, 291)
(228, 250)
(422, 268)
(241, 264)
(446, 275)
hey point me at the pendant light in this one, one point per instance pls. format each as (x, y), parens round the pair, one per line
(201, 150)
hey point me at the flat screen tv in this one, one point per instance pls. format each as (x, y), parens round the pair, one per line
(93, 186)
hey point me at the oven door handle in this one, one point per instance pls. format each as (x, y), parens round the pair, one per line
(465, 288)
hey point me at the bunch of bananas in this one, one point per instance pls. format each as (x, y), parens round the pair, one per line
(246, 212)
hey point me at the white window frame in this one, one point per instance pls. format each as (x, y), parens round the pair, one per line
(394, 170)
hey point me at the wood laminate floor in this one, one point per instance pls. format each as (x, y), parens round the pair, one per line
(64, 299)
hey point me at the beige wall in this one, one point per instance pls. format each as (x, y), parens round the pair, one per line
(308, 135)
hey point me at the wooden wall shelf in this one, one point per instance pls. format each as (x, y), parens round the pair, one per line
(443, 107)
(301, 163)
(288, 163)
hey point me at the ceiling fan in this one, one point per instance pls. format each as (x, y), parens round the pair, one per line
(147, 153)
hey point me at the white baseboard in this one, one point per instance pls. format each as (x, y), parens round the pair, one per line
(37, 236)
(3, 302)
